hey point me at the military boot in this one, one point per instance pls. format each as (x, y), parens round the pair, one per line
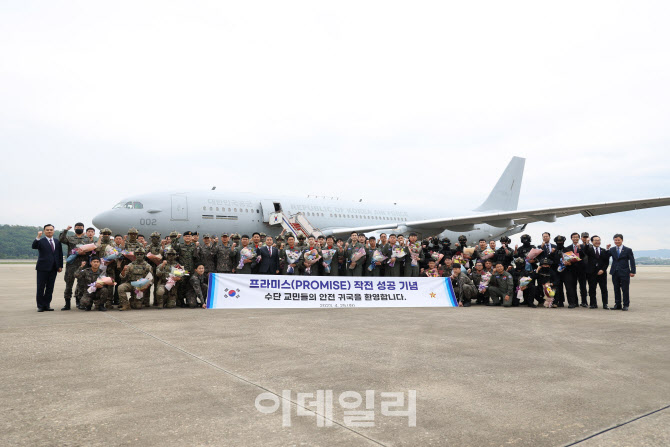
(67, 305)
(102, 307)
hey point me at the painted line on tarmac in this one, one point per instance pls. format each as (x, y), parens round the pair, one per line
(230, 373)
(617, 426)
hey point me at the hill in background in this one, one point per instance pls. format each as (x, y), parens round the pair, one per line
(16, 241)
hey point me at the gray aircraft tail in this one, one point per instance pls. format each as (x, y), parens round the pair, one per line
(505, 195)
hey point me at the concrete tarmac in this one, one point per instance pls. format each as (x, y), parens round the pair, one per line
(483, 376)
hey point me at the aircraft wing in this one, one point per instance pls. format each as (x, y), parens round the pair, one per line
(511, 218)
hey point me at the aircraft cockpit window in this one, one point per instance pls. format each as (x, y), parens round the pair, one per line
(129, 205)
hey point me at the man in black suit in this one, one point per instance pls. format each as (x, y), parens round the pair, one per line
(572, 271)
(49, 264)
(269, 264)
(622, 270)
(597, 261)
(546, 245)
(581, 269)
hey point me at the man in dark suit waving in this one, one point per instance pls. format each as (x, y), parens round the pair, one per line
(622, 270)
(269, 264)
(49, 264)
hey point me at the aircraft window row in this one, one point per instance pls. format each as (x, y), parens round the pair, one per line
(211, 208)
(316, 214)
(350, 216)
(129, 205)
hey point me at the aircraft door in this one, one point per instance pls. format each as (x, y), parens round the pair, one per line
(268, 207)
(179, 207)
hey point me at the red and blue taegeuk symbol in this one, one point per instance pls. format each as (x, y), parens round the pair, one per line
(231, 293)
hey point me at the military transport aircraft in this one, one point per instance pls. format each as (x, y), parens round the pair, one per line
(217, 212)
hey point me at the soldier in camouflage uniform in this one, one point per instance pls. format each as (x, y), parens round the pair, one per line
(134, 271)
(207, 255)
(314, 266)
(105, 240)
(355, 269)
(292, 247)
(130, 244)
(249, 264)
(163, 273)
(155, 248)
(71, 268)
(413, 247)
(187, 254)
(236, 239)
(90, 275)
(173, 242)
(197, 288)
(224, 255)
(335, 262)
(370, 251)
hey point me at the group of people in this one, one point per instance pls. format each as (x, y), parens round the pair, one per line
(124, 270)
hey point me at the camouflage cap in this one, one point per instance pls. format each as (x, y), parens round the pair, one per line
(105, 231)
(155, 234)
(279, 238)
(236, 236)
(262, 235)
(206, 236)
(170, 251)
(174, 234)
(139, 250)
(133, 231)
(301, 236)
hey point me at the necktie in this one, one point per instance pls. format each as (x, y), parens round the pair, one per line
(548, 247)
(270, 251)
(618, 251)
(598, 251)
(51, 241)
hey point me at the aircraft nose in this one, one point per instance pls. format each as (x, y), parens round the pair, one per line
(103, 220)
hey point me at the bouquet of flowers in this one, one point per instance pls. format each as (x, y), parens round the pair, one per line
(292, 257)
(81, 249)
(311, 256)
(414, 252)
(487, 254)
(468, 252)
(432, 273)
(355, 256)
(459, 259)
(570, 258)
(130, 255)
(549, 294)
(141, 284)
(176, 273)
(327, 256)
(437, 257)
(396, 253)
(484, 282)
(102, 280)
(549, 291)
(533, 253)
(73, 255)
(157, 259)
(111, 253)
(377, 256)
(245, 254)
(524, 281)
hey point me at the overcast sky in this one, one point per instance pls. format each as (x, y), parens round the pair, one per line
(99, 101)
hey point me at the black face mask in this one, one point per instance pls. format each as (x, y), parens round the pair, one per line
(79, 230)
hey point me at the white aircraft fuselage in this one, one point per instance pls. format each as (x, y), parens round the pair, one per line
(216, 212)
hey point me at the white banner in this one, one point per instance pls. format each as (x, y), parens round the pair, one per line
(233, 291)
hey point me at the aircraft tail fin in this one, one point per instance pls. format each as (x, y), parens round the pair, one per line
(505, 195)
